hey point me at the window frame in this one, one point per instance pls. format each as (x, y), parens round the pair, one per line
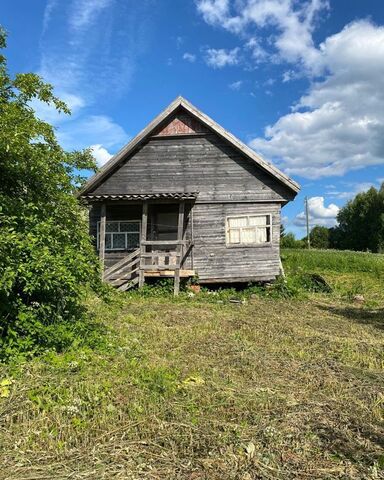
(248, 245)
(114, 232)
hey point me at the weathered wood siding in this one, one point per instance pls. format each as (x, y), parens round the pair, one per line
(228, 184)
(214, 261)
(195, 163)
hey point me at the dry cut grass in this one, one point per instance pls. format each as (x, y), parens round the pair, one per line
(203, 388)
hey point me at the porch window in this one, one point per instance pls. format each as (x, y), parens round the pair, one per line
(120, 235)
(249, 230)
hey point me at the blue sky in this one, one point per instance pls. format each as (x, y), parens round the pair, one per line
(301, 82)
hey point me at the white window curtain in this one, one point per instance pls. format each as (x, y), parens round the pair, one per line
(249, 230)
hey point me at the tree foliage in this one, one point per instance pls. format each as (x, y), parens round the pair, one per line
(361, 223)
(319, 237)
(360, 226)
(46, 256)
(289, 241)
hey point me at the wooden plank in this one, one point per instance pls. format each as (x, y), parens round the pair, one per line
(152, 268)
(180, 230)
(208, 165)
(192, 235)
(164, 242)
(127, 269)
(144, 223)
(128, 284)
(242, 279)
(103, 221)
(162, 254)
(127, 276)
(170, 273)
(213, 260)
(122, 263)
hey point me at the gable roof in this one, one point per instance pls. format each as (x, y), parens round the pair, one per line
(119, 158)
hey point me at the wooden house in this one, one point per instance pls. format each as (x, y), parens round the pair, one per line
(186, 198)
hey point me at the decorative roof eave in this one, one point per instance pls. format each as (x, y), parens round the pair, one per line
(117, 159)
(142, 196)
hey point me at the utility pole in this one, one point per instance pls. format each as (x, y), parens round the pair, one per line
(307, 220)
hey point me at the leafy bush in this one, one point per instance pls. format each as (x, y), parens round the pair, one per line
(158, 288)
(289, 241)
(46, 258)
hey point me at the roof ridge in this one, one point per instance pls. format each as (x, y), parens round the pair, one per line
(205, 119)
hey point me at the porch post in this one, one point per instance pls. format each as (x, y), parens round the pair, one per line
(192, 237)
(103, 218)
(179, 248)
(144, 222)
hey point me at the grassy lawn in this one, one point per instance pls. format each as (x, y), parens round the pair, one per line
(203, 388)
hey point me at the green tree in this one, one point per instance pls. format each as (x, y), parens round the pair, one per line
(319, 237)
(46, 256)
(361, 222)
(289, 241)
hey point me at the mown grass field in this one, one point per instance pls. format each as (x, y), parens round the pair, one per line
(285, 384)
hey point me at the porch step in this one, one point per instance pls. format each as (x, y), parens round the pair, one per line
(125, 273)
(127, 285)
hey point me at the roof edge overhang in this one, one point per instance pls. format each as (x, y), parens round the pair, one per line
(141, 196)
(120, 156)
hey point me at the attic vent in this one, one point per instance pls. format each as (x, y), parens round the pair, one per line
(182, 124)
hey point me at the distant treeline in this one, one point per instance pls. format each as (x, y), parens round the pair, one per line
(360, 226)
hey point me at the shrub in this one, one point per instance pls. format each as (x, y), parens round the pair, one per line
(46, 257)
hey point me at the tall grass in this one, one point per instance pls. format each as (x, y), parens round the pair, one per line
(333, 260)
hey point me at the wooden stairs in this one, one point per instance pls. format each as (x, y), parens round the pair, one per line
(124, 274)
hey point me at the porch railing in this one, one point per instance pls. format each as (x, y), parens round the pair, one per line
(132, 269)
(163, 259)
(125, 273)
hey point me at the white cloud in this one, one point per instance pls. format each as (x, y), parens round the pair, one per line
(49, 8)
(293, 23)
(219, 58)
(236, 85)
(91, 130)
(179, 41)
(354, 189)
(189, 57)
(290, 75)
(339, 124)
(90, 47)
(269, 82)
(85, 13)
(49, 113)
(86, 61)
(319, 214)
(259, 54)
(213, 11)
(101, 154)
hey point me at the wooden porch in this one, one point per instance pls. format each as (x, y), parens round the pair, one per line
(152, 259)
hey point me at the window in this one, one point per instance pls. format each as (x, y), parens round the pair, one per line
(120, 235)
(249, 230)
